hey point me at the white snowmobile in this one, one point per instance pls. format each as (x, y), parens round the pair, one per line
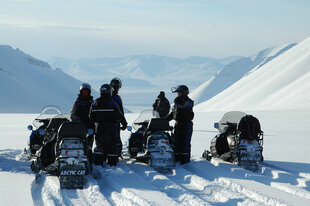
(151, 143)
(240, 140)
(64, 152)
(71, 155)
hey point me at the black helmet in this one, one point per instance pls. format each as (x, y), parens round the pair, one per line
(162, 93)
(85, 86)
(181, 88)
(106, 89)
(116, 83)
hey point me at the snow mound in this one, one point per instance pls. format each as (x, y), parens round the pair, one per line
(282, 83)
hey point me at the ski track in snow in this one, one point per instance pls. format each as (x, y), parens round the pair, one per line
(198, 183)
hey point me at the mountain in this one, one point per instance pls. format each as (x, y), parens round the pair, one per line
(235, 71)
(27, 84)
(282, 83)
(143, 76)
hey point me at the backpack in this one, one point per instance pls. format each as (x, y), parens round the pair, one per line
(249, 128)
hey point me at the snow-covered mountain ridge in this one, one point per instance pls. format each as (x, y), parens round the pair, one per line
(234, 71)
(27, 84)
(282, 83)
(143, 76)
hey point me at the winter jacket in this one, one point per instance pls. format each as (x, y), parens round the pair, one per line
(162, 106)
(80, 110)
(104, 111)
(182, 110)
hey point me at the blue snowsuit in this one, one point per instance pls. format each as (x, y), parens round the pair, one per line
(183, 115)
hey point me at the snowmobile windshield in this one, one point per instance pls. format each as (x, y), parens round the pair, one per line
(47, 113)
(144, 118)
(233, 117)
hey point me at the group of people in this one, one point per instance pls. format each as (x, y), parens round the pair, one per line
(106, 116)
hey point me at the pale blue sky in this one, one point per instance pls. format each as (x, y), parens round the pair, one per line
(179, 28)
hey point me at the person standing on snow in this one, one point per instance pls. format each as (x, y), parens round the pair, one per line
(162, 105)
(107, 116)
(80, 112)
(183, 115)
(116, 84)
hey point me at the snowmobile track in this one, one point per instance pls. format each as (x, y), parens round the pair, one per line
(175, 191)
(125, 187)
(288, 187)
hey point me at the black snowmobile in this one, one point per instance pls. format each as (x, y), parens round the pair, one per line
(151, 143)
(240, 140)
(64, 152)
(40, 123)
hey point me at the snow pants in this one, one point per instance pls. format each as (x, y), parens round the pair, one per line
(106, 140)
(183, 135)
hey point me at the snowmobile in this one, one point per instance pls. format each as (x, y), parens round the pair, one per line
(63, 152)
(151, 143)
(240, 140)
(40, 123)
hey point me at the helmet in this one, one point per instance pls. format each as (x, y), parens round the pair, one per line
(162, 93)
(116, 83)
(106, 89)
(181, 88)
(85, 86)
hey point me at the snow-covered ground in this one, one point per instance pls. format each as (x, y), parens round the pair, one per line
(283, 179)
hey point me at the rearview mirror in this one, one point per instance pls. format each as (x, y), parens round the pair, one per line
(129, 128)
(216, 125)
(29, 127)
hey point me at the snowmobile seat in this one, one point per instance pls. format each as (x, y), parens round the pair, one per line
(249, 128)
(72, 129)
(158, 124)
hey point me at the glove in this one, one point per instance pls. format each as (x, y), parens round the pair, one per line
(124, 126)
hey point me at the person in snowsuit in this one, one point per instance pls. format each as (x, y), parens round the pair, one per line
(183, 115)
(116, 84)
(80, 110)
(162, 105)
(107, 116)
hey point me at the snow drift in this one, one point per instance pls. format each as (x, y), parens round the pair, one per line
(282, 83)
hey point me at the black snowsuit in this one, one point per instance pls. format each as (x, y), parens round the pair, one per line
(162, 105)
(80, 112)
(124, 123)
(183, 114)
(107, 116)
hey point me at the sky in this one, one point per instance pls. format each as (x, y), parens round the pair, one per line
(178, 28)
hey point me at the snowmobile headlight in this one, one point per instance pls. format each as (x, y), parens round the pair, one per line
(41, 132)
(216, 125)
(129, 128)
